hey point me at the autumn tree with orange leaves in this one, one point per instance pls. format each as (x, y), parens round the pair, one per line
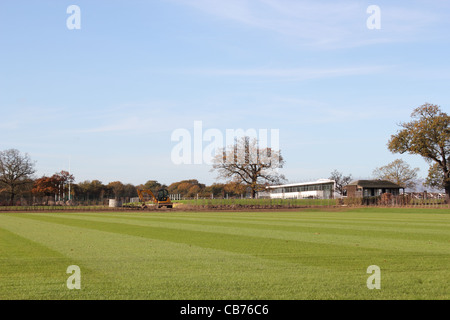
(57, 185)
(427, 135)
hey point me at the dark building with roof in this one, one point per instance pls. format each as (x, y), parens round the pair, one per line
(371, 188)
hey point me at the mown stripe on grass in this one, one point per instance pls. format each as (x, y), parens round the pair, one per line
(34, 258)
(335, 255)
(186, 270)
(424, 223)
(375, 239)
(30, 270)
(439, 232)
(142, 268)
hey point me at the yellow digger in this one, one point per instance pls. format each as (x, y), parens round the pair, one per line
(160, 200)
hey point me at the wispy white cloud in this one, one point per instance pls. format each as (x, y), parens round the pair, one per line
(10, 125)
(20, 117)
(143, 119)
(325, 23)
(294, 74)
(131, 123)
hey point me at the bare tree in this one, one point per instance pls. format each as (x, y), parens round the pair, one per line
(247, 163)
(341, 181)
(15, 171)
(399, 172)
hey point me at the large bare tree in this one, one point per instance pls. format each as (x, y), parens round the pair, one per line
(399, 172)
(15, 171)
(427, 135)
(249, 164)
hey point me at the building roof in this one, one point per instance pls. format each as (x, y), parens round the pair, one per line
(320, 181)
(375, 184)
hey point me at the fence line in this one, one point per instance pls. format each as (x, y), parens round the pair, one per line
(385, 200)
(324, 203)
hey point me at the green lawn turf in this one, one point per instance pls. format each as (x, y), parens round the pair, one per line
(308, 254)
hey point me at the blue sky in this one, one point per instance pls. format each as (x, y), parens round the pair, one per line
(105, 99)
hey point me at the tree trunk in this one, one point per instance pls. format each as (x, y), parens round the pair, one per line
(447, 193)
(11, 199)
(447, 185)
(254, 185)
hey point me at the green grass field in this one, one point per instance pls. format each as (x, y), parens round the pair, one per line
(309, 254)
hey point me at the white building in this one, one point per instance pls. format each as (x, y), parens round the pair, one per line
(320, 189)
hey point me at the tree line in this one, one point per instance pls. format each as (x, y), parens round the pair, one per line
(60, 188)
(245, 166)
